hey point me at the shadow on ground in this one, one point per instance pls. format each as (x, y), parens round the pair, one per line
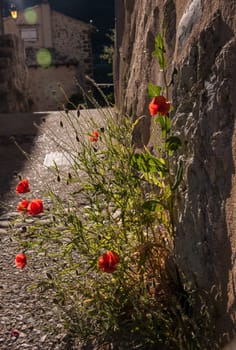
(20, 128)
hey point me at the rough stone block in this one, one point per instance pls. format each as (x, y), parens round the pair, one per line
(200, 41)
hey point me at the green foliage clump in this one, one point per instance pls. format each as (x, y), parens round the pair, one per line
(119, 200)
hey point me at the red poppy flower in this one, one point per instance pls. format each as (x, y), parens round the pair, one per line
(35, 207)
(23, 186)
(15, 333)
(159, 105)
(22, 206)
(94, 137)
(20, 260)
(108, 262)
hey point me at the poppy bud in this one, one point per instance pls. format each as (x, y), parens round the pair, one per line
(35, 207)
(108, 262)
(21, 260)
(23, 186)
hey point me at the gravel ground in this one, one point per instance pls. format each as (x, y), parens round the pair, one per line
(27, 320)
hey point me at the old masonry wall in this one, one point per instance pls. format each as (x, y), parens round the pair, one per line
(201, 45)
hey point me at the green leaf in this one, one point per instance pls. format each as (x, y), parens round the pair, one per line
(153, 90)
(165, 124)
(150, 205)
(137, 121)
(159, 43)
(173, 143)
(161, 59)
(179, 175)
(153, 179)
(160, 51)
(147, 163)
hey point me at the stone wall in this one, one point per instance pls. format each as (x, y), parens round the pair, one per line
(54, 85)
(200, 38)
(69, 36)
(72, 37)
(14, 94)
(68, 42)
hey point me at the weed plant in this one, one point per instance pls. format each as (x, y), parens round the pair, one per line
(108, 243)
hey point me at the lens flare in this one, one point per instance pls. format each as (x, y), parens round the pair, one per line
(44, 58)
(30, 16)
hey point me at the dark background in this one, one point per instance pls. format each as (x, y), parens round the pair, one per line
(100, 11)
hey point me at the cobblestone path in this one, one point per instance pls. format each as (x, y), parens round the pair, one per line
(27, 320)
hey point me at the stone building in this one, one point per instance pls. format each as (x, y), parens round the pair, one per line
(57, 52)
(200, 41)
